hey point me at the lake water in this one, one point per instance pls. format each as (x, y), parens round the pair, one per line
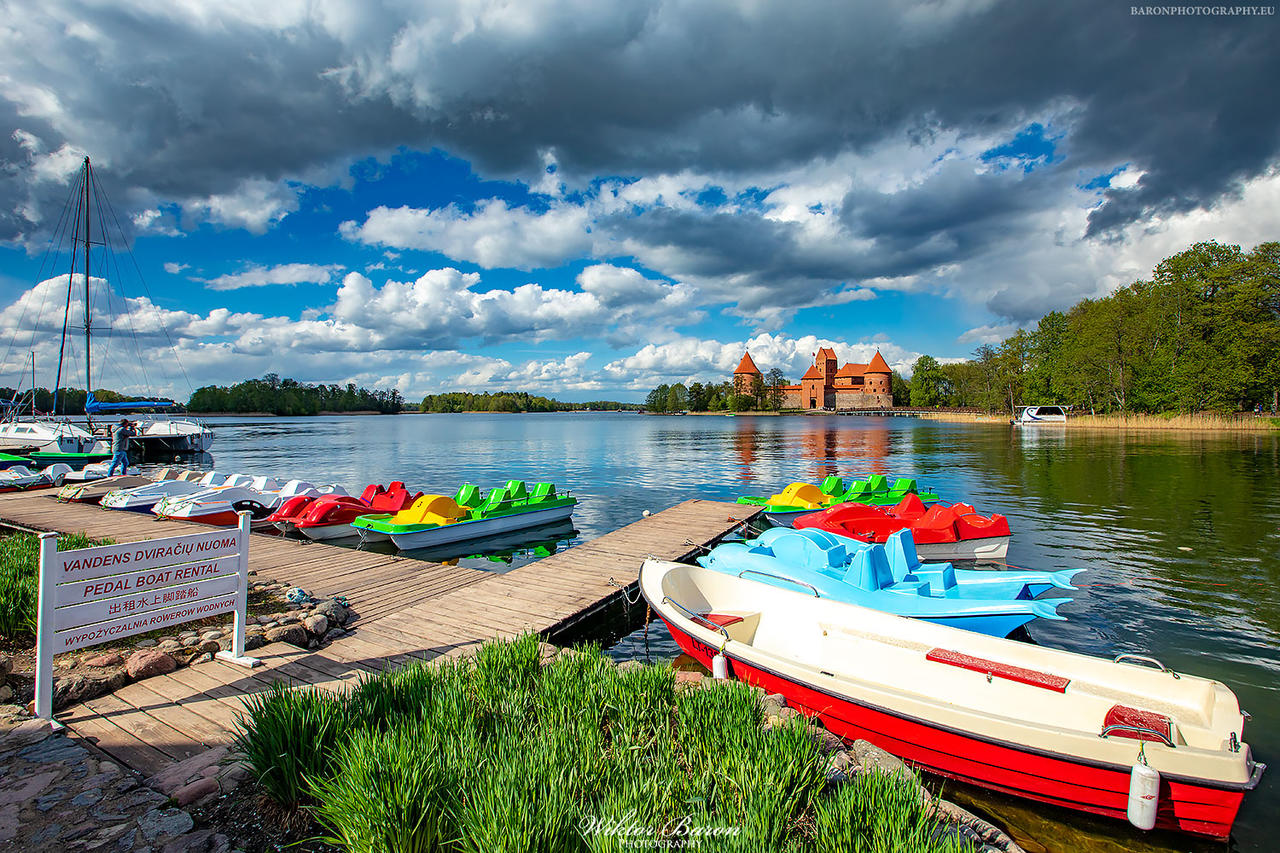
(1180, 532)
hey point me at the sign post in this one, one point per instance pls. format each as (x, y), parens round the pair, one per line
(94, 595)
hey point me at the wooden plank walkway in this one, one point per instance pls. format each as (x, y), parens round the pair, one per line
(409, 610)
(381, 583)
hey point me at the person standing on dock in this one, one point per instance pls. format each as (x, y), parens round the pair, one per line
(120, 447)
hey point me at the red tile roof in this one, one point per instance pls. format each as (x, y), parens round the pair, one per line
(852, 369)
(825, 352)
(812, 373)
(747, 365)
(878, 364)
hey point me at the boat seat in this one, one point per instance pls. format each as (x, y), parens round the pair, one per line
(1123, 715)
(468, 495)
(430, 509)
(543, 492)
(796, 550)
(910, 507)
(801, 495)
(973, 526)
(904, 484)
(497, 499)
(877, 483)
(856, 489)
(911, 586)
(724, 620)
(1020, 674)
(516, 490)
(869, 569)
(832, 485)
(900, 550)
(371, 492)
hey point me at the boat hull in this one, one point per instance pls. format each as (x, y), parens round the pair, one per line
(464, 530)
(989, 548)
(1185, 805)
(326, 532)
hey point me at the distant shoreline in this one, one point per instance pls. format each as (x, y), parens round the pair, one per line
(1202, 422)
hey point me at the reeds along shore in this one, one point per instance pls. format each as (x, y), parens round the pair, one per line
(1202, 421)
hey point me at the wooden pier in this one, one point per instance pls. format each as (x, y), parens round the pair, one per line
(408, 609)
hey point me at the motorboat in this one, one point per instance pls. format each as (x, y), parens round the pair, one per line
(329, 516)
(1120, 738)
(175, 435)
(220, 506)
(798, 498)
(143, 498)
(49, 437)
(93, 491)
(438, 519)
(954, 532)
(1040, 415)
(20, 478)
(891, 578)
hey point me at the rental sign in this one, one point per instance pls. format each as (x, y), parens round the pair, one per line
(94, 595)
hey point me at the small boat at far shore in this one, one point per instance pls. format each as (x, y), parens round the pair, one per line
(1112, 738)
(438, 520)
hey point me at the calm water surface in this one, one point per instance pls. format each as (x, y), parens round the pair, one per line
(1180, 532)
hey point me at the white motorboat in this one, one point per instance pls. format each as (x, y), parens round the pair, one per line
(1050, 725)
(48, 435)
(1040, 415)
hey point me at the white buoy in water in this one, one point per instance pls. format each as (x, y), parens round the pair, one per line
(720, 667)
(646, 513)
(1144, 795)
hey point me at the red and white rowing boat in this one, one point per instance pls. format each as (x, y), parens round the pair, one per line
(1053, 726)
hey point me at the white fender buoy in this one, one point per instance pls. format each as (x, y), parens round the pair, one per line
(646, 513)
(720, 667)
(1144, 795)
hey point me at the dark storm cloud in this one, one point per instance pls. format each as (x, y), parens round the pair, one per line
(188, 105)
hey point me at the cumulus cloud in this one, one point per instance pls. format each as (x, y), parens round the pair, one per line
(493, 235)
(259, 276)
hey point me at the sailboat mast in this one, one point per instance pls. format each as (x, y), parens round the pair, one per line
(88, 383)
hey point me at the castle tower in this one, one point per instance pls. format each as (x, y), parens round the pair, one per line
(877, 379)
(825, 361)
(745, 374)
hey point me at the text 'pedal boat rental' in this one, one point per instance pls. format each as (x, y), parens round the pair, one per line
(1106, 737)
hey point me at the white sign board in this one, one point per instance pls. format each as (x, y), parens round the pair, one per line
(94, 595)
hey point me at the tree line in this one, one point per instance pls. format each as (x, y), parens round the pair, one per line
(1203, 334)
(512, 401)
(763, 395)
(277, 396)
(70, 400)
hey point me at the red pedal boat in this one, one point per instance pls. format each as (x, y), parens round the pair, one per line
(330, 516)
(953, 532)
(1115, 738)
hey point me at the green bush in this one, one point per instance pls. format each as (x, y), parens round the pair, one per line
(20, 579)
(287, 736)
(499, 753)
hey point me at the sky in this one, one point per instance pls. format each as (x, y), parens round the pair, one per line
(587, 199)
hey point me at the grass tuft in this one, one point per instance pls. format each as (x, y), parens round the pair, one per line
(20, 580)
(499, 753)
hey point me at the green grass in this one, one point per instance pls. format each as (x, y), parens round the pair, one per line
(20, 580)
(499, 753)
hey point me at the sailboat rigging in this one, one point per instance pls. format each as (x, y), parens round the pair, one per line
(52, 437)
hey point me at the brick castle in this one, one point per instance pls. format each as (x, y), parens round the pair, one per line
(823, 386)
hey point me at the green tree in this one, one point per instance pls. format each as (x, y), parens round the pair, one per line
(900, 388)
(928, 383)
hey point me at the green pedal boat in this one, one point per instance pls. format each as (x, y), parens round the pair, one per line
(800, 498)
(438, 520)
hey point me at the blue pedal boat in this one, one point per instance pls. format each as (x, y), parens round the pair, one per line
(891, 578)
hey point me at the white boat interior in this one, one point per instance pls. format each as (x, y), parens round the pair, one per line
(1001, 690)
